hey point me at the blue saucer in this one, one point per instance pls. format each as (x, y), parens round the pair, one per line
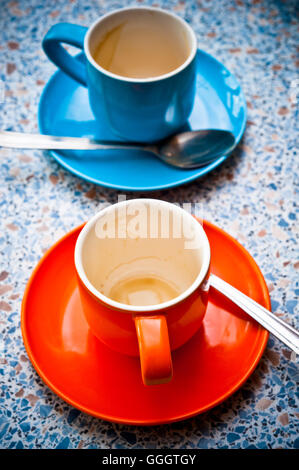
(64, 110)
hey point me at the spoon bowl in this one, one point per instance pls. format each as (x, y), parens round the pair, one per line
(195, 148)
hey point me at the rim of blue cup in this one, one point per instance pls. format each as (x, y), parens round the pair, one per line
(183, 66)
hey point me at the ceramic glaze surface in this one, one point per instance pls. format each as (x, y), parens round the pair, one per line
(135, 111)
(64, 109)
(251, 196)
(82, 370)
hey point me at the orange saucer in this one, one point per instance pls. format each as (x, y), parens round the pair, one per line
(108, 385)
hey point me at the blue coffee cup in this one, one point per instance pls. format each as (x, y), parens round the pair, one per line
(136, 109)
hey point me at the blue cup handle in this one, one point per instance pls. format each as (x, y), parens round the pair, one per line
(69, 34)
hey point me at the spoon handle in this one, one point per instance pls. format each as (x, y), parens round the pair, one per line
(287, 334)
(47, 142)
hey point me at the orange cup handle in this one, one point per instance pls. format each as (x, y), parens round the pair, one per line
(154, 349)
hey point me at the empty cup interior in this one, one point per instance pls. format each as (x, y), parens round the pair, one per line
(143, 238)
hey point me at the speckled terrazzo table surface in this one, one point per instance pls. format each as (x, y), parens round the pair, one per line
(252, 196)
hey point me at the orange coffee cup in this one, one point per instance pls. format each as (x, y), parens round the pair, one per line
(161, 243)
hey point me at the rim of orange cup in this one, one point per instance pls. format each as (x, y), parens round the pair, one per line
(129, 309)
